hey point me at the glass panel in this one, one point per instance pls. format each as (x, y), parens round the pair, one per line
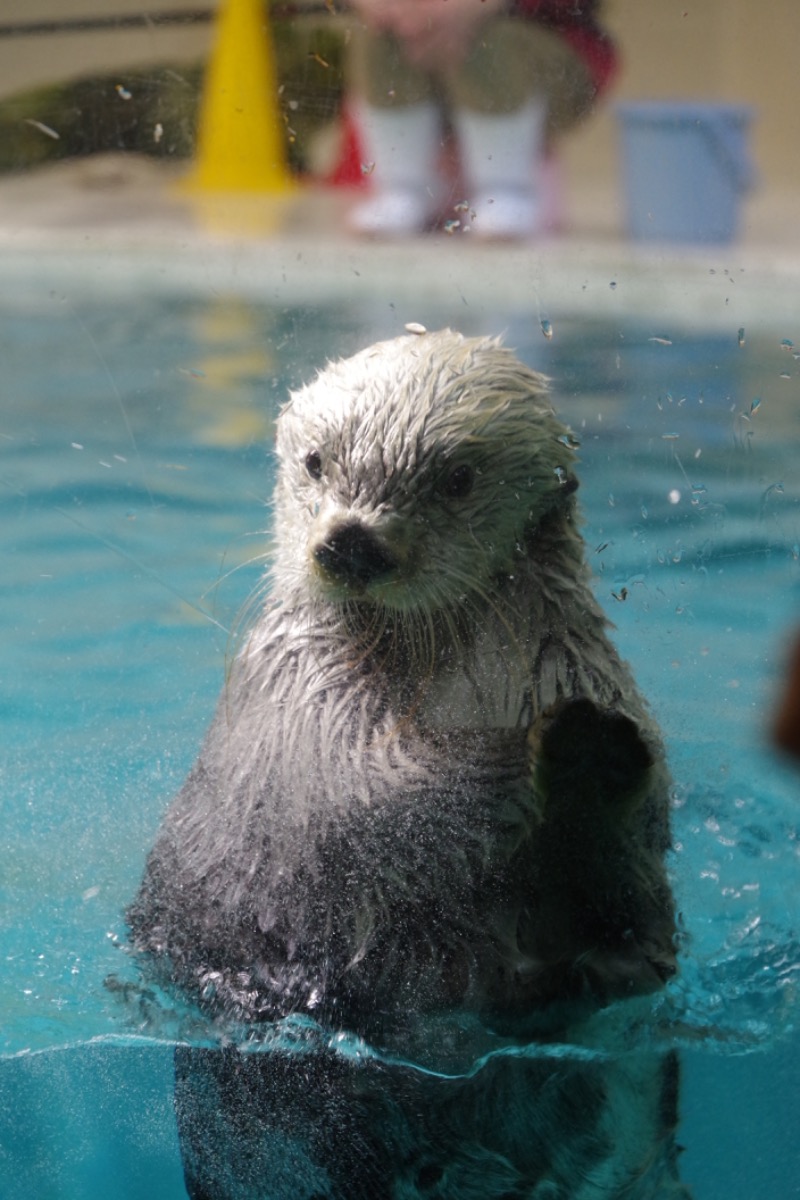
(160, 300)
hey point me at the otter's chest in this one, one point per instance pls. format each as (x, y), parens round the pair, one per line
(489, 688)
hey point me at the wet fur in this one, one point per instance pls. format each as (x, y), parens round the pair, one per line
(433, 786)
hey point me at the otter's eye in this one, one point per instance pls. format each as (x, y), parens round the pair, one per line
(458, 483)
(314, 464)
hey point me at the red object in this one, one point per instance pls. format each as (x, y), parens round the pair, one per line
(578, 23)
(349, 170)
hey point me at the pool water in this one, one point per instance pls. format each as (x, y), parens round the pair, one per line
(135, 471)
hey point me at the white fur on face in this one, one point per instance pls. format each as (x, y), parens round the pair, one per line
(385, 441)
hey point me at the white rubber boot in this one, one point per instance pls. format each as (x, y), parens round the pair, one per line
(403, 144)
(500, 156)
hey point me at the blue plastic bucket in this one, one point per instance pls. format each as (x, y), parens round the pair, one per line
(685, 169)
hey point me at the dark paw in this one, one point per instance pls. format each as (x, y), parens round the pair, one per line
(596, 752)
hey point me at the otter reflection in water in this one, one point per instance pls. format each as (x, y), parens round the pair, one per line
(431, 792)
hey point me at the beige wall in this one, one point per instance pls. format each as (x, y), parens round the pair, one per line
(747, 51)
(27, 62)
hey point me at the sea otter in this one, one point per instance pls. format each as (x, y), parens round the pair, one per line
(431, 789)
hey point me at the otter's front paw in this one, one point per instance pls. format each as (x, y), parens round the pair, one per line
(590, 754)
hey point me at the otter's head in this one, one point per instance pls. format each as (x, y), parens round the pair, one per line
(415, 474)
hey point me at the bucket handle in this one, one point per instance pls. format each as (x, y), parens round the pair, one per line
(727, 142)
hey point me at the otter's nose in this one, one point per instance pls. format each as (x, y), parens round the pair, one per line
(352, 554)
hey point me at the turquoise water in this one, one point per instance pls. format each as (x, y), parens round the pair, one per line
(134, 473)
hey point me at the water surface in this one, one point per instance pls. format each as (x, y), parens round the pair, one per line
(136, 470)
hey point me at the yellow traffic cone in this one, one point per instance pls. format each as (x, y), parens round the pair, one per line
(240, 142)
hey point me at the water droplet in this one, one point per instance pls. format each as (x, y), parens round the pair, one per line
(674, 496)
(787, 344)
(158, 132)
(756, 404)
(547, 328)
(123, 92)
(414, 327)
(451, 226)
(661, 341)
(740, 335)
(670, 437)
(613, 285)
(367, 168)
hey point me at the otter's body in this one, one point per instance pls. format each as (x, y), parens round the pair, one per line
(431, 786)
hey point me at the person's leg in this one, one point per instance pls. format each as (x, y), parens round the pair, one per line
(399, 123)
(521, 87)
